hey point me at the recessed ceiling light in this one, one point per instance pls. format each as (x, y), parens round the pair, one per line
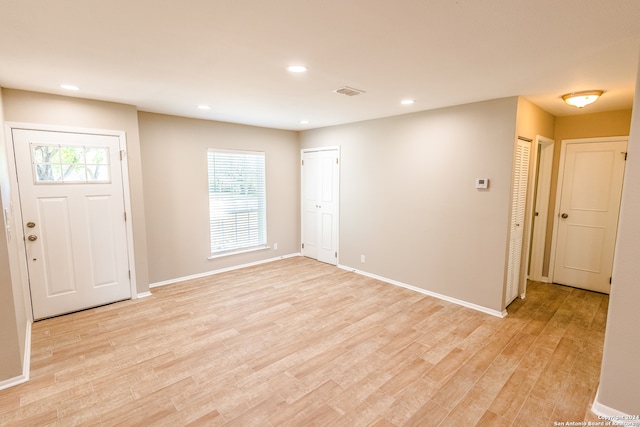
(407, 101)
(304, 122)
(69, 87)
(204, 107)
(297, 69)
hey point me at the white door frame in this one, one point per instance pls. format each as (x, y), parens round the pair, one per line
(311, 150)
(542, 181)
(14, 215)
(556, 214)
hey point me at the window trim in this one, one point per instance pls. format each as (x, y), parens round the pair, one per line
(262, 245)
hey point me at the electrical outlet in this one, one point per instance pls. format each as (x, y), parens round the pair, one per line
(275, 246)
(363, 259)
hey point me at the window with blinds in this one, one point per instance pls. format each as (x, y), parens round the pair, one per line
(237, 201)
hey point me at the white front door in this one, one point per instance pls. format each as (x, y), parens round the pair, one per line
(320, 176)
(587, 223)
(72, 203)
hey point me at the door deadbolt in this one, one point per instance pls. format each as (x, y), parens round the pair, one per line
(564, 216)
(32, 238)
(31, 224)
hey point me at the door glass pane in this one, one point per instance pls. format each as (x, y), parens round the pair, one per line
(74, 173)
(57, 164)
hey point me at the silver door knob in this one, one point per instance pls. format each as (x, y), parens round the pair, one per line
(32, 238)
(564, 216)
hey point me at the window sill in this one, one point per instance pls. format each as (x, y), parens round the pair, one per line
(242, 251)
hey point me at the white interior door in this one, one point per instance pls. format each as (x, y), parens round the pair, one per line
(73, 214)
(320, 178)
(587, 222)
(518, 210)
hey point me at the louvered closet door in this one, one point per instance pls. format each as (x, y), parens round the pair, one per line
(518, 206)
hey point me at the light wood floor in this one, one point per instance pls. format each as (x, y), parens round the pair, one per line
(296, 342)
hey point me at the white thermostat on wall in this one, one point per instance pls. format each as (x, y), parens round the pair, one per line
(482, 183)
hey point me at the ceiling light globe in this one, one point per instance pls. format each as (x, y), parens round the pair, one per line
(582, 99)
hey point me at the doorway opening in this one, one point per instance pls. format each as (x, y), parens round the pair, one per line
(590, 178)
(72, 201)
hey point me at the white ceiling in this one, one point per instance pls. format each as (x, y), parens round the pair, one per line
(169, 56)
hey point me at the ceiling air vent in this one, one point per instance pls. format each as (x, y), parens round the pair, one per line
(349, 91)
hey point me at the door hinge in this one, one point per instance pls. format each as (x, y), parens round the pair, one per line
(625, 155)
(129, 274)
(121, 155)
(609, 280)
(336, 160)
(303, 246)
(303, 163)
(125, 216)
(336, 254)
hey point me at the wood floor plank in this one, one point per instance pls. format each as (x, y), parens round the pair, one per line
(301, 343)
(430, 414)
(535, 412)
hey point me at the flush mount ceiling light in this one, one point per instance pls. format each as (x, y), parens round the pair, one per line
(581, 99)
(407, 101)
(204, 107)
(69, 87)
(297, 69)
(304, 122)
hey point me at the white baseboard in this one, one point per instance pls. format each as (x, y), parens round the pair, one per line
(607, 413)
(222, 270)
(26, 363)
(429, 293)
(143, 295)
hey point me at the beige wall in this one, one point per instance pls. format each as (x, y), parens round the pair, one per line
(12, 318)
(533, 121)
(174, 163)
(620, 374)
(584, 125)
(11, 341)
(408, 200)
(39, 108)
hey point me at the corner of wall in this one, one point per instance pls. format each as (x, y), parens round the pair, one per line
(14, 334)
(620, 372)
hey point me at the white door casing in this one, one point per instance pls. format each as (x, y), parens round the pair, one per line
(541, 208)
(320, 202)
(518, 211)
(589, 192)
(76, 240)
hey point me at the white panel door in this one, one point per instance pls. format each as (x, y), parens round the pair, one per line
(587, 225)
(310, 210)
(518, 210)
(72, 206)
(320, 177)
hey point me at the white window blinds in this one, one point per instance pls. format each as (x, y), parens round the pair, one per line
(237, 201)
